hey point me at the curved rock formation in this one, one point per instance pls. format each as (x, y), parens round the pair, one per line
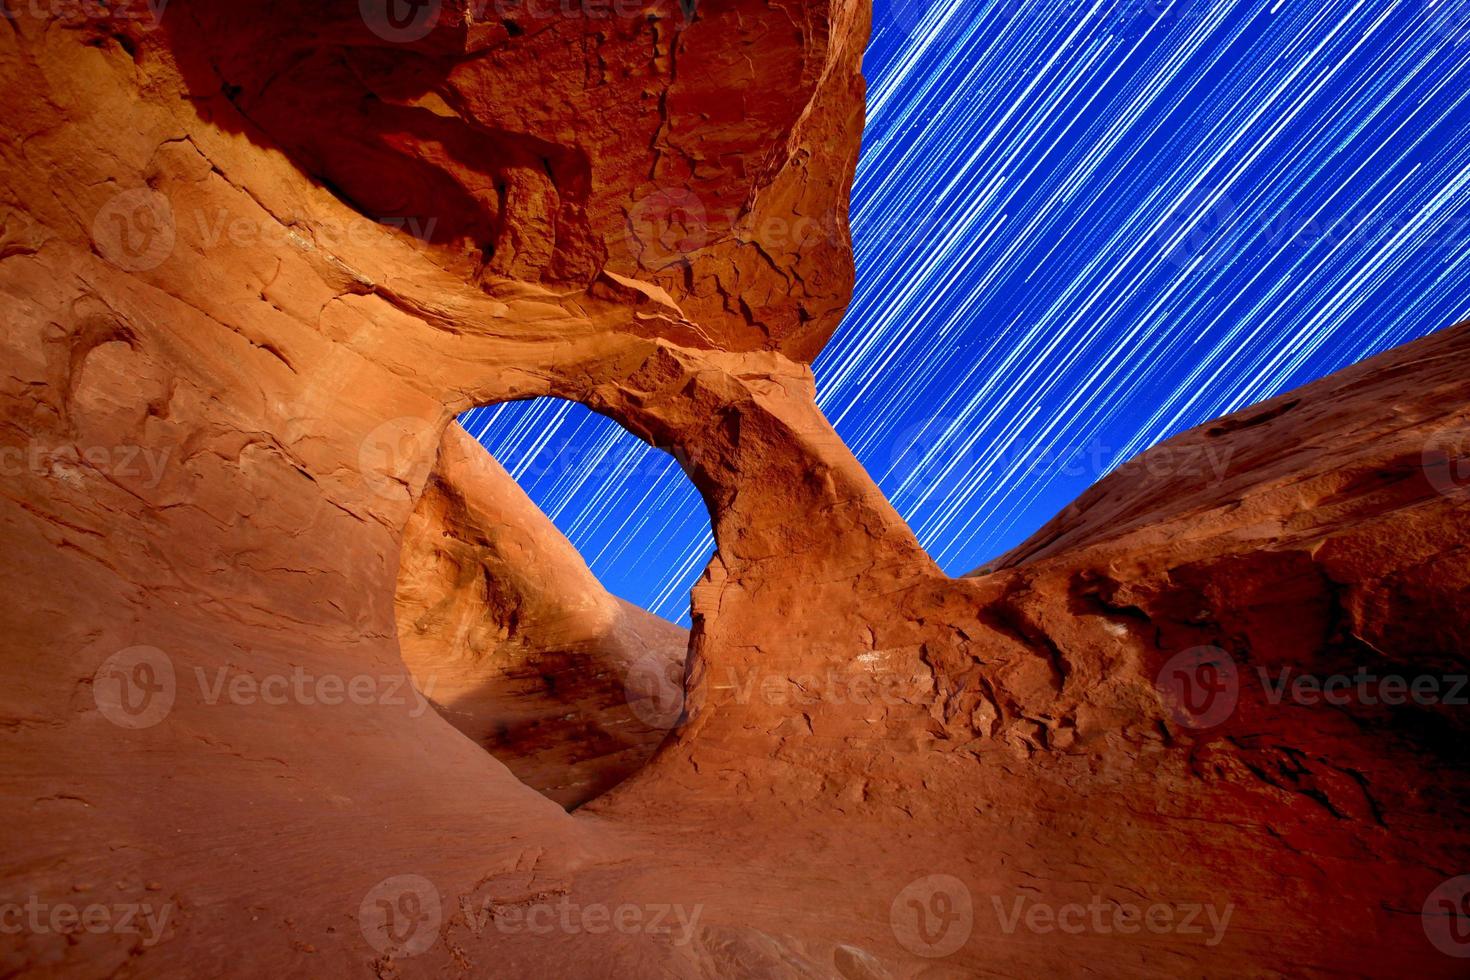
(230, 359)
(706, 148)
(517, 644)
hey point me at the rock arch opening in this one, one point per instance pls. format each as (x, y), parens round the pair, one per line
(534, 569)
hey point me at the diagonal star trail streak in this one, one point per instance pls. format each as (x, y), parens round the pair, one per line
(1082, 226)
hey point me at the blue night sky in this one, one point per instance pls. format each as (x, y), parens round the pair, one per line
(1082, 227)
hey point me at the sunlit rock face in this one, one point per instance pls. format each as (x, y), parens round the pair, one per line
(256, 258)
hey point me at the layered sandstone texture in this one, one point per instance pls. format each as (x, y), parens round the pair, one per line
(272, 623)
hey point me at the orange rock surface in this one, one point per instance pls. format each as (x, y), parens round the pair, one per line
(514, 640)
(255, 259)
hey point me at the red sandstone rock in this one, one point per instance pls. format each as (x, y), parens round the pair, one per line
(222, 406)
(510, 635)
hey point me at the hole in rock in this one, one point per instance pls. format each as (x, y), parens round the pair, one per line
(543, 590)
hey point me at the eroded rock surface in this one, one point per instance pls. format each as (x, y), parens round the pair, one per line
(517, 644)
(230, 361)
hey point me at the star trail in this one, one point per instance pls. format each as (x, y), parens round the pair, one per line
(1080, 228)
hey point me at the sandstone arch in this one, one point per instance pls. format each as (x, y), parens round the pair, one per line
(1024, 748)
